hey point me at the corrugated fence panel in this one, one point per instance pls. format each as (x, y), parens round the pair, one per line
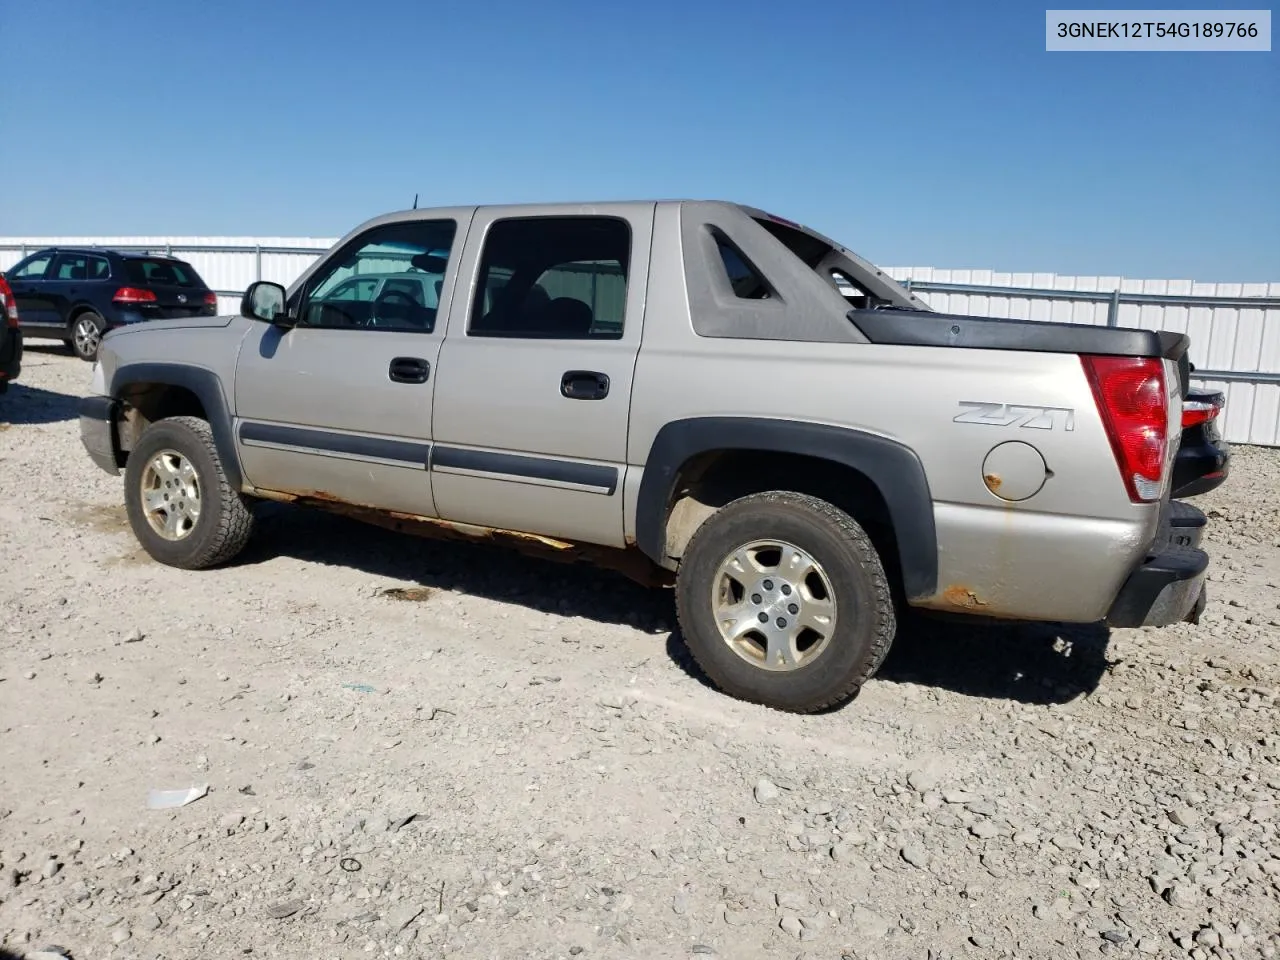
(1233, 338)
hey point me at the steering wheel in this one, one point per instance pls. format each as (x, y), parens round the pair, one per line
(385, 297)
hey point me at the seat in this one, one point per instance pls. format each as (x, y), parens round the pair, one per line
(565, 316)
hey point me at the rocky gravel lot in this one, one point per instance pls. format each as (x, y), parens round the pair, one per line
(514, 759)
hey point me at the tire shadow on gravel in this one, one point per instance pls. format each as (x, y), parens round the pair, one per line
(22, 404)
(1032, 663)
(496, 573)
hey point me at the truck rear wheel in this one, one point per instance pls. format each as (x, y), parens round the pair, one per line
(783, 601)
(181, 507)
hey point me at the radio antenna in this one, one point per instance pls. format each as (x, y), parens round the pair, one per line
(415, 201)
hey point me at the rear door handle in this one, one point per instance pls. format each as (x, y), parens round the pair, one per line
(409, 370)
(584, 385)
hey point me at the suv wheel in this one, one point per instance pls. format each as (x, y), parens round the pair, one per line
(86, 334)
(783, 601)
(180, 505)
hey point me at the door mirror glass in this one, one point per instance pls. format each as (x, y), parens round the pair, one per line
(264, 301)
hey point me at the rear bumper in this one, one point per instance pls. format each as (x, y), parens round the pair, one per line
(1168, 586)
(1202, 464)
(98, 433)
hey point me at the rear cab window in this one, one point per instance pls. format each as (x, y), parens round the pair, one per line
(860, 283)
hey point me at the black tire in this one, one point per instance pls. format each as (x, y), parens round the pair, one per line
(83, 350)
(225, 522)
(858, 643)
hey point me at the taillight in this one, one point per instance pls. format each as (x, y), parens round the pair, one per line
(1196, 412)
(1131, 399)
(134, 295)
(8, 303)
(210, 299)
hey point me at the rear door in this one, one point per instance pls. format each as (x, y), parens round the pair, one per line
(27, 280)
(339, 407)
(534, 382)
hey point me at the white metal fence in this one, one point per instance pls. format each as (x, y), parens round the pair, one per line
(1234, 327)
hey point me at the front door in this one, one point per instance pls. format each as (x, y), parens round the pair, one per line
(30, 290)
(534, 386)
(339, 406)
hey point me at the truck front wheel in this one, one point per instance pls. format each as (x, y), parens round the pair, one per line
(783, 601)
(181, 506)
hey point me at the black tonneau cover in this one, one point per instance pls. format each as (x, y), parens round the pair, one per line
(920, 329)
(930, 329)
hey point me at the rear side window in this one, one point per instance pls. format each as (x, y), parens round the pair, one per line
(173, 273)
(562, 278)
(744, 278)
(71, 266)
(97, 268)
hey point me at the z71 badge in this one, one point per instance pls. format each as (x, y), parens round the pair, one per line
(1016, 414)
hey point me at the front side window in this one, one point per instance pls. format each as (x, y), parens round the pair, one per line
(35, 268)
(553, 278)
(388, 279)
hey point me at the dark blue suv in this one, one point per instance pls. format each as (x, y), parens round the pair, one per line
(76, 294)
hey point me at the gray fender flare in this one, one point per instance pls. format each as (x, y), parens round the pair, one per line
(894, 469)
(207, 388)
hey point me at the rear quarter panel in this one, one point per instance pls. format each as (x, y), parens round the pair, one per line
(1061, 554)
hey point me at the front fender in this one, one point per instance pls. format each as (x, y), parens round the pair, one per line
(206, 386)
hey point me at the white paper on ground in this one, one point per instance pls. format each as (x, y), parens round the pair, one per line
(165, 799)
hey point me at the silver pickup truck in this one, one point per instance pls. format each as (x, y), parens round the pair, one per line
(697, 393)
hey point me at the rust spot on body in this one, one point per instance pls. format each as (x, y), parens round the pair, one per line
(993, 481)
(630, 562)
(960, 596)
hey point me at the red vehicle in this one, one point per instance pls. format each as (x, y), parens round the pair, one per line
(10, 337)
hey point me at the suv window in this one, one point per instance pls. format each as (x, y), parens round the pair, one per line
(744, 278)
(34, 268)
(78, 266)
(553, 278)
(173, 273)
(386, 279)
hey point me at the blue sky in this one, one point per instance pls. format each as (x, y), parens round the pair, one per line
(917, 134)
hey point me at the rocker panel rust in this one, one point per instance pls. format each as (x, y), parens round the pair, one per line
(631, 563)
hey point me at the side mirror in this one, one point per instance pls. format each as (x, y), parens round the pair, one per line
(265, 301)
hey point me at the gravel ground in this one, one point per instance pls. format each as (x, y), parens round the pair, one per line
(519, 761)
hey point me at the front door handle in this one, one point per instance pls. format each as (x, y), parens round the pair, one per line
(584, 385)
(409, 370)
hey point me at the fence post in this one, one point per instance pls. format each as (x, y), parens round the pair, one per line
(1113, 309)
(257, 261)
(168, 249)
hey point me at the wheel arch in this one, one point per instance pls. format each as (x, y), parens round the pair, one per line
(878, 477)
(156, 391)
